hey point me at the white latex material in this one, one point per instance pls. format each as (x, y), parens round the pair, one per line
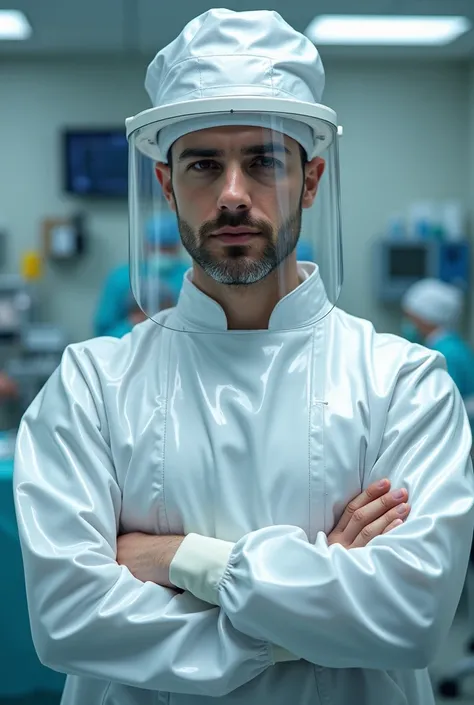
(231, 55)
(259, 439)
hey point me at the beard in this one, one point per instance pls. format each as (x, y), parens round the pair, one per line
(239, 267)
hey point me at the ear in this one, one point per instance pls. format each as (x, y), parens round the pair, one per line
(163, 174)
(313, 172)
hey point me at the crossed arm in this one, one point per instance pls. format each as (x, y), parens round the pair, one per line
(381, 605)
(374, 512)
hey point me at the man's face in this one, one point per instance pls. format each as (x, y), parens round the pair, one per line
(238, 193)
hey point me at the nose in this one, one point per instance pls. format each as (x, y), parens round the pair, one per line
(234, 195)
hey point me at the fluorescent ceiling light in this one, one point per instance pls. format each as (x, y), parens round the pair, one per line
(14, 25)
(394, 30)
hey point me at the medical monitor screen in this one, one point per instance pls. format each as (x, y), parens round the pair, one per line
(407, 262)
(96, 163)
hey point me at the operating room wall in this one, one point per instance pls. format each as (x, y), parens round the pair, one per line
(406, 137)
(37, 100)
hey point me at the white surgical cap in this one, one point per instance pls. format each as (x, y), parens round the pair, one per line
(223, 53)
(435, 302)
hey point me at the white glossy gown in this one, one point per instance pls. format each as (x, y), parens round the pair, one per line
(259, 439)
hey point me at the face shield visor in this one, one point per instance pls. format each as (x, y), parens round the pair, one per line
(243, 199)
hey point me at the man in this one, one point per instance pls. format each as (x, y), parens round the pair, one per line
(222, 440)
(432, 310)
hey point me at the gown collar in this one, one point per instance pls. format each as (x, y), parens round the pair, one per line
(303, 306)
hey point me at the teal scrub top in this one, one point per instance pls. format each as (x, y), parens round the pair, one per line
(459, 360)
(111, 317)
(121, 329)
(114, 302)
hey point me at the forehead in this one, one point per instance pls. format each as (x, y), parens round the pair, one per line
(233, 139)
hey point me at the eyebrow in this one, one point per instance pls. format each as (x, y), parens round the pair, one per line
(206, 153)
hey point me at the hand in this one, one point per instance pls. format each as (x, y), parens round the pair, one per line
(148, 557)
(374, 512)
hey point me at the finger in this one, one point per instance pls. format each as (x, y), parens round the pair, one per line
(373, 491)
(381, 525)
(393, 525)
(374, 510)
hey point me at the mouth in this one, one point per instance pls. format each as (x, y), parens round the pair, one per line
(235, 236)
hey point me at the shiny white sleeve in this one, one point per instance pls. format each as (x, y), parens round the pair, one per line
(90, 616)
(388, 605)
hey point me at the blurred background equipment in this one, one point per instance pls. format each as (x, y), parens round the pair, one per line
(29, 354)
(431, 243)
(29, 350)
(16, 306)
(95, 162)
(64, 238)
(39, 350)
(399, 264)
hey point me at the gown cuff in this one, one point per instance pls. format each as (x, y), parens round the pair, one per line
(199, 566)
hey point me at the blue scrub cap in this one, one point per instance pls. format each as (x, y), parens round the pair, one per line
(162, 230)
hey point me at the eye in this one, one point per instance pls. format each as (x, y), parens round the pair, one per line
(267, 163)
(203, 165)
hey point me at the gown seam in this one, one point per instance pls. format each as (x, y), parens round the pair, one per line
(323, 426)
(310, 436)
(165, 429)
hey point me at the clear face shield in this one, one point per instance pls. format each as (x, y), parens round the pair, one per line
(244, 204)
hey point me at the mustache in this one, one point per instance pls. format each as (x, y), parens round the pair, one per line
(234, 220)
